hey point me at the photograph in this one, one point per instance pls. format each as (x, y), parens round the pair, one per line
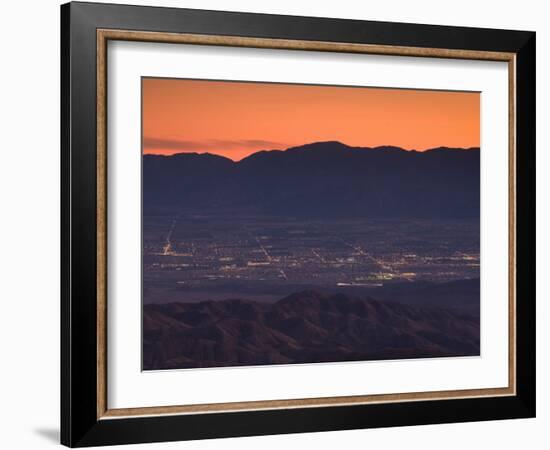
(298, 223)
(282, 220)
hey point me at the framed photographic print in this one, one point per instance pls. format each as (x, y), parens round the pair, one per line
(276, 224)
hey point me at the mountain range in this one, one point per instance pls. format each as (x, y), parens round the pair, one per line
(322, 179)
(304, 327)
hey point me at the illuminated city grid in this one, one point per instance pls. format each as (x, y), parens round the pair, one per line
(207, 251)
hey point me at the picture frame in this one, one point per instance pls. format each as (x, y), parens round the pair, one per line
(86, 30)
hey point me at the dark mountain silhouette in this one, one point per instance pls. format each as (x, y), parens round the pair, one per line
(324, 179)
(305, 327)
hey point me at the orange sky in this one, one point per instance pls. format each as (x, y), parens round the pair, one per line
(235, 119)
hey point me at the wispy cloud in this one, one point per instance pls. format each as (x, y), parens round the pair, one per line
(180, 145)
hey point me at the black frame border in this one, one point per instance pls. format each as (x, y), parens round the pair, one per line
(79, 423)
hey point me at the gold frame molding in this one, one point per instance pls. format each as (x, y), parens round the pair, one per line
(103, 36)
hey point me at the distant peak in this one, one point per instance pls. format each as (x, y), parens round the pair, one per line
(321, 144)
(387, 148)
(260, 153)
(190, 155)
(451, 149)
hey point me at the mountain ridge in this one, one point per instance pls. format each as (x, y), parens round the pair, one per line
(312, 146)
(323, 179)
(304, 327)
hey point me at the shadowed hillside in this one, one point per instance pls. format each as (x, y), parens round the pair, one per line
(304, 327)
(323, 179)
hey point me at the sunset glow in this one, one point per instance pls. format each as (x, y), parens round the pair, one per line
(235, 119)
